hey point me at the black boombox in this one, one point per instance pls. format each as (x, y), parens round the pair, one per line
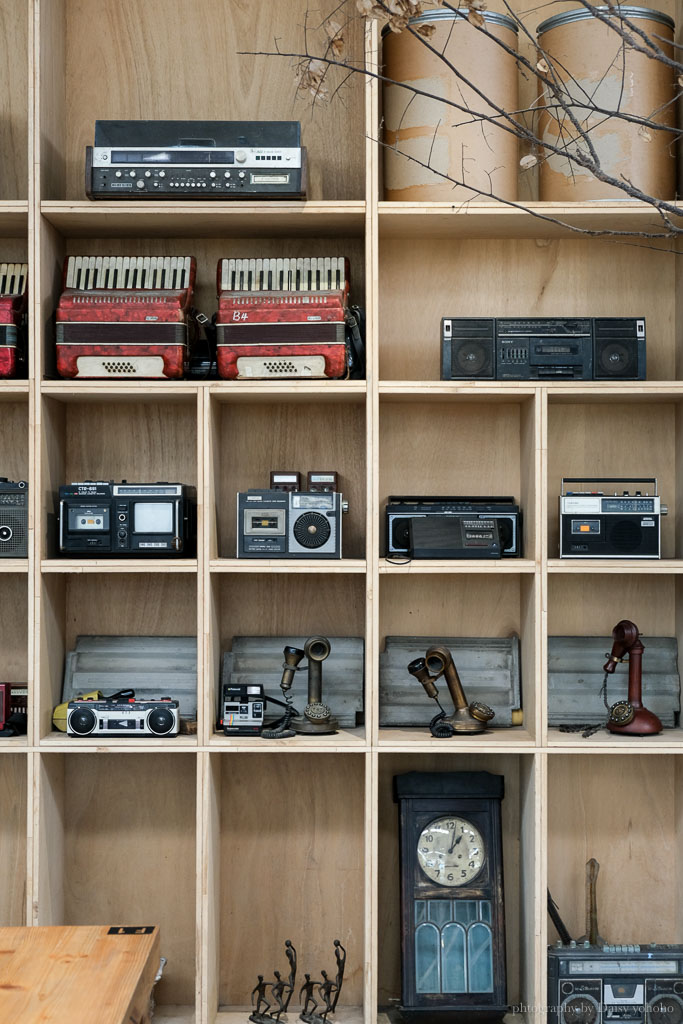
(289, 524)
(13, 518)
(87, 717)
(543, 348)
(640, 984)
(610, 524)
(460, 527)
(105, 518)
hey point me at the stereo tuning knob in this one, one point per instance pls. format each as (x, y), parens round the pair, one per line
(240, 156)
(140, 183)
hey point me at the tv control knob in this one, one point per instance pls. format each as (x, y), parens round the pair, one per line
(162, 174)
(240, 156)
(140, 183)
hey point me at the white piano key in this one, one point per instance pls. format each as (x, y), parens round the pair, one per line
(231, 275)
(258, 286)
(118, 272)
(307, 274)
(325, 277)
(97, 279)
(12, 279)
(3, 279)
(23, 279)
(173, 272)
(278, 275)
(79, 272)
(187, 266)
(252, 273)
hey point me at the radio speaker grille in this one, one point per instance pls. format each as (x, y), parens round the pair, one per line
(616, 349)
(472, 349)
(624, 536)
(13, 534)
(311, 530)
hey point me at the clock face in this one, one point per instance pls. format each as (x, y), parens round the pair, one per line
(451, 851)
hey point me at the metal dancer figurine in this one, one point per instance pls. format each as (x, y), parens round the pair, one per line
(340, 954)
(260, 1016)
(290, 953)
(308, 988)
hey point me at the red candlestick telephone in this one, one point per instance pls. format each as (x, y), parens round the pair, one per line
(629, 716)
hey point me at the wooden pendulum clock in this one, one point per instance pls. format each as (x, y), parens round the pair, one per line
(453, 923)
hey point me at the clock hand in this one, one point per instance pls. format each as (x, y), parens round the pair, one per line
(454, 843)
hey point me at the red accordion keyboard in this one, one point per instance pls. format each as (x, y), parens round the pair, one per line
(125, 316)
(282, 317)
(13, 303)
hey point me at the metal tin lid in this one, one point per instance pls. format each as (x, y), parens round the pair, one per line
(459, 15)
(628, 12)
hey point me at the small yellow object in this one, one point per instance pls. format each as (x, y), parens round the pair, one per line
(59, 713)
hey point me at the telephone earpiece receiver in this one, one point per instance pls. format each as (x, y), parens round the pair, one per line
(466, 718)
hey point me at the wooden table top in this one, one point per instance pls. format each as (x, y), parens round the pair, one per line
(77, 975)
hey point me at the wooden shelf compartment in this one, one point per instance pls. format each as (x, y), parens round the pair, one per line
(627, 813)
(477, 218)
(16, 664)
(207, 250)
(118, 834)
(13, 220)
(521, 866)
(591, 605)
(162, 219)
(281, 604)
(86, 604)
(609, 434)
(14, 82)
(285, 853)
(246, 440)
(423, 279)
(464, 605)
(463, 445)
(99, 435)
(81, 80)
(13, 835)
(339, 566)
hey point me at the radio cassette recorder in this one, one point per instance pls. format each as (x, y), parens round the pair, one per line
(196, 160)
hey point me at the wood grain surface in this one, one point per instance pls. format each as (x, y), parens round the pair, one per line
(129, 843)
(81, 975)
(13, 827)
(14, 79)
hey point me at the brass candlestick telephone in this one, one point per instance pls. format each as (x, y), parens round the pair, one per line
(629, 716)
(467, 718)
(317, 719)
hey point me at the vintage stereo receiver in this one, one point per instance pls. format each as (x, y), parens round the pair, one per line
(642, 984)
(244, 706)
(105, 518)
(13, 518)
(125, 316)
(196, 160)
(453, 527)
(13, 303)
(295, 524)
(287, 318)
(543, 348)
(87, 717)
(610, 523)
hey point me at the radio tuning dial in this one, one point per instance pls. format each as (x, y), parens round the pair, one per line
(141, 183)
(162, 174)
(242, 174)
(212, 174)
(240, 156)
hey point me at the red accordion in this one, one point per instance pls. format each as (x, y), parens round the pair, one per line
(122, 316)
(13, 303)
(282, 318)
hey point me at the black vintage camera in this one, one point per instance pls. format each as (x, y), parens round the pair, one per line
(104, 518)
(13, 518)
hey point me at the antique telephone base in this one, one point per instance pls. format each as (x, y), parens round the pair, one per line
(465, 718)
(317, 719)
(629, 717)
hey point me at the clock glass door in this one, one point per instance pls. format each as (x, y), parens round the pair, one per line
(453, 946)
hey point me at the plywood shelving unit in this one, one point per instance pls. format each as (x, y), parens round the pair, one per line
(234, 845)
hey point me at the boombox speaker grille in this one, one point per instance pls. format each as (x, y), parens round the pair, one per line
(13, 534)
(311, 530)
(624, 536)
(472, 347)
(616, 349)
